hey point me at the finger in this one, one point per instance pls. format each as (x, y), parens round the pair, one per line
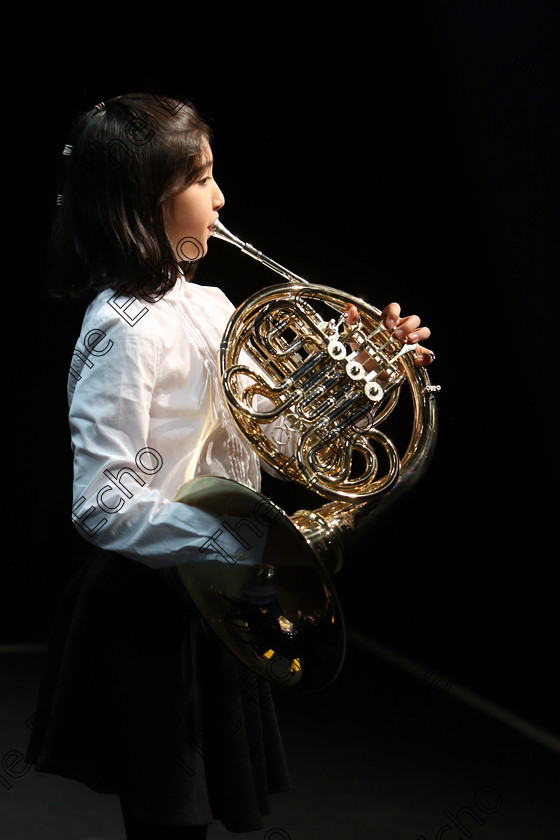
(406, 326)
(424, 357)
(421, 334)
(390, 315)
(352, 314)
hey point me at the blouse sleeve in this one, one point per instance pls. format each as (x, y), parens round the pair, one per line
(115, 503)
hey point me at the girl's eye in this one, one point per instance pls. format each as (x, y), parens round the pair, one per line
(204, 181)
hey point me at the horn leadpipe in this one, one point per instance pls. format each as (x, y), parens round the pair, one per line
(221, 232)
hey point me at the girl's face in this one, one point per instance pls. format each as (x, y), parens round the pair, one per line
(189, 216)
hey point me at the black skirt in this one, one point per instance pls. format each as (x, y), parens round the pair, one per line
(139, 701)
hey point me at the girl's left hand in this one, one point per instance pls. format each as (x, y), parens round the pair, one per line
(406, 329)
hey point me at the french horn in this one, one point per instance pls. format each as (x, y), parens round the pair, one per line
(310, 392)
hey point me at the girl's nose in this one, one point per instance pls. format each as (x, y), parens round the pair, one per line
(219, 199)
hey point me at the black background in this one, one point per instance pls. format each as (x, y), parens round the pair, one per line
(405, 153)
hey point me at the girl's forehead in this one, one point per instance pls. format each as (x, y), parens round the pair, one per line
(207, 157)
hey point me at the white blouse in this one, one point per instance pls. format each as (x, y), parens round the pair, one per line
(146, 415)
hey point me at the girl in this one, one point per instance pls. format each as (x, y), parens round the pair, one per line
(137, 699)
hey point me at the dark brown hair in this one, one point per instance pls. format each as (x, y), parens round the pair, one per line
(124, 159)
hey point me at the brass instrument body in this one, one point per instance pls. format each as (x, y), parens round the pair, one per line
(332, 384)
(293, 368)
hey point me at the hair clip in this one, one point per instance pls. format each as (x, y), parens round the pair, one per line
(59, 199)
(99, 106)
(67, 150)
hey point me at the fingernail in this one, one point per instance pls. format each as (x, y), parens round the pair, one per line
(412, 338)
(398, 333)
